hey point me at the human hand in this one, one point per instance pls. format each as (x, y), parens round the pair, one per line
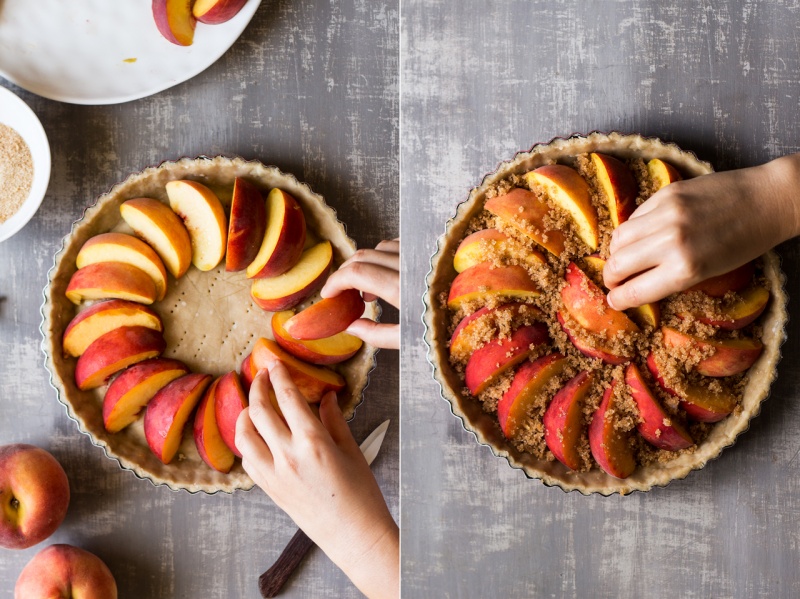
(376, 273)
(692, 230)
(315, 472)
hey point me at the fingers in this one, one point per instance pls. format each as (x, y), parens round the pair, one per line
(386, 336)
(634, 230)
(368, 277)
(381, 258)
(252, 446)
(651, 286)
(263, 415)
(292, 403)
(333, 420)
(389, 245)
(631, 260)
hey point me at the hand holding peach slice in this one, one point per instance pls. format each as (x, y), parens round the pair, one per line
(475, 249)
(103, 317)
(175, 20)
(590, 346)
(159, 226)
(247, 225)
(563, 420)
(610, 447)
(662, 173)
(327, 317)
(618, 185)
(168, 412)
(483, 281)
(521, 209)
(460, 342)
(230, 399)
(207, 438)
(297, 284)
(735, 280)
(114, 351)
(214, 12)
(330, 350)
(129, 393)
(111, 280)
(645, 315)
(284, 238)
(729, 357)
(204, 217)
(59, 567)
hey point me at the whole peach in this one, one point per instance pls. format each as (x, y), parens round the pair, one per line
(65, 571)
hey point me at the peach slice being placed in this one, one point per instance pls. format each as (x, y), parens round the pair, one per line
(249, 373)
(484, 281)
(248, 223)
(114, 351)
(214, 12)
(729, 357)
(610, 447)
(735, 280)
(118, 247)
(297, 284)
(284, 238)
(207, 438)
(662, 173)
(313, 381)
(204, 217)
(175, 20)
(132, 389)
(330, 350)
(657, 427)
(475, 248)
(523, 210)
(460, 342)
(618, 185)
(569, 191)
(530, 382)
(169, 411)
(563, 420)
(159, 226)
(590, 346)
(230, 400)
(103, 317)
(111, 280)
(741, 312)
(486, 364)
(327, 317)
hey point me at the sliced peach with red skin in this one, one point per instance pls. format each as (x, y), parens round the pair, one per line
(590, 346)
(750, 304)
(230, 400)
(103, 317)
(563, 420)
(207, 438)
(204, 217)
(159, 226)
(484, 281)
(735, 280)
(330, 350)
(565, 187)
(657, 427)
(248, 373)
(284, 237)
(298, 283)
(214, 12)
(459, 344)
(619, 186)
(729, 357)
(169, 411)
(129, 393)
(643, 316)
(115, 351)
(111, 280)
(486, 364)
(662, 173)
(327, 317)
(475, 248)
(523, 210)
(175, 20)
(246, 226)
(530, 381)
(610, 447)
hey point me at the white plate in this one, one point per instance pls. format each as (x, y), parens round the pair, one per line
(15, 113)
(76, 50)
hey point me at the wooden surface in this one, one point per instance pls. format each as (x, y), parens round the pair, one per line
(481, 81)
(311, 87)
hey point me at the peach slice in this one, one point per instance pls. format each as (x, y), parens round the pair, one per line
(330, 350)
(595, 265)
(118, 247)
(204, 217)
(589, 346)
(214, 12)
(610, 447)
(175, 20)
(486, 364)
(230, 401)
(111, 280)
(657, 427)
(730, 356)
(474, 249)
(313, 381)
(460, 345)
(207, 438)
(248, 223)
(523, 210)
(570, 192)
(563, 420)
(698, 401)
(662, 173)
(114, 351)
(159, 226)
(531, 381)
(248, 373)
(745, 309)
(132, 389)
(169, 411)
(103, 317)
(618, 185)
(735, 280)
(327, 317)
(284, 238)
(484, 281)
(297, 284)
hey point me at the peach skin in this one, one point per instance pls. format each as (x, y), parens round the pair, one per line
(247, 226)
(284, 238)
(563, 420)
(103, 317)
(114, 351)
(175, 20)
(729, 357)
(60, 567)
(610, 447)
(111, 280)
(230, 400)
(330, 350)
(326, 317)
(207, 438)
(618, 186)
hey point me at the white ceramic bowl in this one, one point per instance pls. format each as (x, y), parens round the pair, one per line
(16, 114)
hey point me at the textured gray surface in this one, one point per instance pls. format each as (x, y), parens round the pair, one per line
(482, 81)
(310, 87)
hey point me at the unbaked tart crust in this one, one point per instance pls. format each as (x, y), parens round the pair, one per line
(210, 320)
(478, 414)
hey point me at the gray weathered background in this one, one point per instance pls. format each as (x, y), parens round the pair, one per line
(311, 87)
(482, 80)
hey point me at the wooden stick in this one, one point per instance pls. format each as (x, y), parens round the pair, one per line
(271, 582)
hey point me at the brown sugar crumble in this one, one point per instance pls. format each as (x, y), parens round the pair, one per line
(16, 172)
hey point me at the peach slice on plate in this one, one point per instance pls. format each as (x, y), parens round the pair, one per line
(570, 192)
(460, 342)
(285, 236)
(159, 226)
(735, 280)
(483, 281)
(563, 420)
(327, 317)
(657, 427)
(175, 20)
(132, 389)
(230, 400)
(169, 411)
(486, 364)
(475, 248)
(248, 373)
(114, 351)
(729, 357)
(330, 350)
(531, 381)
(214, 12)
(610, 446)
(204, 217)
(523, 210)
(207, 438)
(103, 317)
(297, 284)
(111, 280)
(619, 187)
(248, 223)
(118, 247)
(662, 173)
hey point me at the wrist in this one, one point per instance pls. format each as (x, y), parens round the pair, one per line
(780, 186)
(375, 567)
